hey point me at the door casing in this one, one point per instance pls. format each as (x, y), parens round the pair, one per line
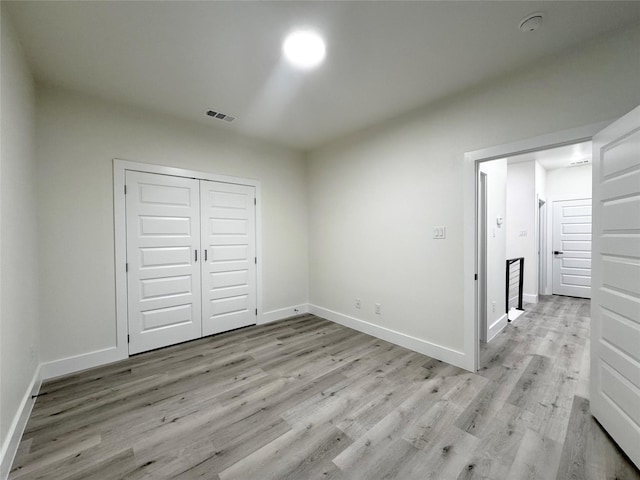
(482, 256)
(542, 247)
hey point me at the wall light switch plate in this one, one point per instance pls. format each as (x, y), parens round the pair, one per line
(439, 232)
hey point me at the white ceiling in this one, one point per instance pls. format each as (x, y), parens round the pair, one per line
(383, 58)
(560, 157)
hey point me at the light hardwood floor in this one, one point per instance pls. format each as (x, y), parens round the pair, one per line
(306, 399)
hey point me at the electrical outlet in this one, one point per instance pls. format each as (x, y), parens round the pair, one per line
(358, 303)
(378, 309)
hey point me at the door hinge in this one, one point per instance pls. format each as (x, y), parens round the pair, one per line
(125, 189)
(255, 202)
(126, 267)
(475, 277)
(255, 260)
(127, 338)
(256, 311)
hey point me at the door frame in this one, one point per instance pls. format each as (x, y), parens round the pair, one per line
(470, 168)
(120, 235)
(542, 246)
(482, 253)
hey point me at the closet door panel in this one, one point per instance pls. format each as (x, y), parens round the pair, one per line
(229, 268)
(163, 278)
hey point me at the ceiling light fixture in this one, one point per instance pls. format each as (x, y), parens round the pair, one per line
(304, 49)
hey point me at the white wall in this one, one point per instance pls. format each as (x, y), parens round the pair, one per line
(521, 222)
(566, 182)
(77, 139)
(18, 243)
(496, 243)
(375, 196)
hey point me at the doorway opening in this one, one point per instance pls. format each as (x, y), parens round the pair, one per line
(548, 219)
(614, 313)
(536, 234)
(514, 243)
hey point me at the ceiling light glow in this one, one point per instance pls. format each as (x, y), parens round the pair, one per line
(304, 49)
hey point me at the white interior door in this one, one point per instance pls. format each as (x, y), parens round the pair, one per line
(615, 308)
(229, 266)
(163, 280)
(572, 248)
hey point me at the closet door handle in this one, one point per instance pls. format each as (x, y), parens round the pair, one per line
(196, 252)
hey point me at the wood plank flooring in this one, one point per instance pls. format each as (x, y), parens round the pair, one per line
(306, 399)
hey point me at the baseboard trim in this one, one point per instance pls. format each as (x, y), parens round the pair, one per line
(496, 327)
(514, 314)
(12, 441)
(454, 357)
(529, 298)
(282, 313)
(65, 366)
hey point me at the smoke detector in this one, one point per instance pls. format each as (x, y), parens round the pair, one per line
(531, 22)
(220, 116)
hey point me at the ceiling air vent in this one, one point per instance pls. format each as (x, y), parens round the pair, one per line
(220, 116)
(579, 162)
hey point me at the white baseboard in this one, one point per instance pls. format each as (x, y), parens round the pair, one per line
(281, 313)
(529, 298)
(12, 441)
(496, 327)
(77, 363)
(439, 352)
(65, 366)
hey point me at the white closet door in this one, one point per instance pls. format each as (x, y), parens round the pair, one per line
(229, 266)
(615, 308)
(163, 281)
